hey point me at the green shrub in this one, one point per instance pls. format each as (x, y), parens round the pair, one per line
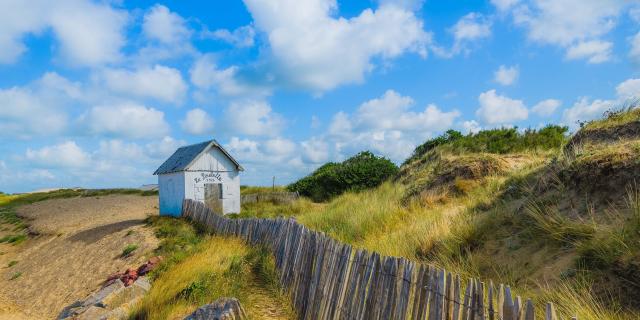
(360, 172)
(129, 249)
(500, 141)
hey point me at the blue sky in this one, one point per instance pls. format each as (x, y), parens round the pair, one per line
(99, 93)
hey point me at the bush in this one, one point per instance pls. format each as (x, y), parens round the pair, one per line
(360, 172)
(500, 141)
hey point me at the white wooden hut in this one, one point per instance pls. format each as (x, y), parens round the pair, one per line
(204, 172)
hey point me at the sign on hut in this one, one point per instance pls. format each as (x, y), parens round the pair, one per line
(204, 172)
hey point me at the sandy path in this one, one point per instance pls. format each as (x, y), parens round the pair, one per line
(80, 243)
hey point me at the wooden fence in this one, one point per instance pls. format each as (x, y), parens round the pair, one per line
(275, 197)
(330, 280)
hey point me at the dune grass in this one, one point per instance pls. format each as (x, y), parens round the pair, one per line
(497, 228)
(261, 189)
(198, 269)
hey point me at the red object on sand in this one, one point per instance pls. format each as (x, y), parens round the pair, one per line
(131, 275)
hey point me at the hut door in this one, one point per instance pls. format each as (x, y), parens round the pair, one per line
(213, 196)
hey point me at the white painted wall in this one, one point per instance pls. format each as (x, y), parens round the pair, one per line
(211, 167)
(194, 187)
(171, 189)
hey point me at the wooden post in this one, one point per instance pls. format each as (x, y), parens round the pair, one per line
(529, 314)
(550, 313)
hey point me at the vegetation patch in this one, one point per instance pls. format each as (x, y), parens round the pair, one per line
(498, 141)
(128, 250)
(360, 172)
(201, 269)
(257, 189)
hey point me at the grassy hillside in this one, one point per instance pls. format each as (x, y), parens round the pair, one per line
(198, 269)
(557, 218)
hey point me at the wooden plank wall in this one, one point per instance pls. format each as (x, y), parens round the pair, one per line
(276, 197)
(327, 279)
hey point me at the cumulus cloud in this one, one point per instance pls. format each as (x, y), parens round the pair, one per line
(197, 122)
(546, 107)
(387, 125)
(38, 108)
(576, 25)
(629, 88)
(125, 120)
(242, 37)
(158, 82)
(506, 75)
(306, 39)
(163, 148)
(470, 126)
(634, 53)
(162, 25)
(472, 27)
(64, 155)
(594, 51)
(253, 118)
(315, 150)
(497, 109)
(88, 33)
(585, 110)
(206, 75)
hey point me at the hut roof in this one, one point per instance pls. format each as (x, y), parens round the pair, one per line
(184, 156)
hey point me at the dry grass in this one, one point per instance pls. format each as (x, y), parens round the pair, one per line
(617, 118)
(221, 267)
(258, 189)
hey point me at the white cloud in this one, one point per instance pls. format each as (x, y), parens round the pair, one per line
(253, 118)
(546, 107)
(315, 150)
(392, 111)
(159, 82)
(387, 125)
(471, 27)
(121, 151)
(89, 33)
(571, 24)
(497, 109)
(279, 147)
(506, 75)
(585, 110)
(206, 75)
(471, 126)
(634, 53)
(242, 37)
(197, 122)
(24, 113)
(163, 148)
(340, 124)
(629, 88)
(165, 26)
(244, 148)
(127, 120)
(504, 5)
(595, 51)
(306, 39)
(64, 155)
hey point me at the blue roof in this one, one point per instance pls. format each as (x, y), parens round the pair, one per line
(180, 160)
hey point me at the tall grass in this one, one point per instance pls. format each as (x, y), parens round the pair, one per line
(198, 269)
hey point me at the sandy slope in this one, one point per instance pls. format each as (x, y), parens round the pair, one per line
(80, 243)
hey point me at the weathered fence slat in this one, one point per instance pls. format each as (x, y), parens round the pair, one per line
(326, 279)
